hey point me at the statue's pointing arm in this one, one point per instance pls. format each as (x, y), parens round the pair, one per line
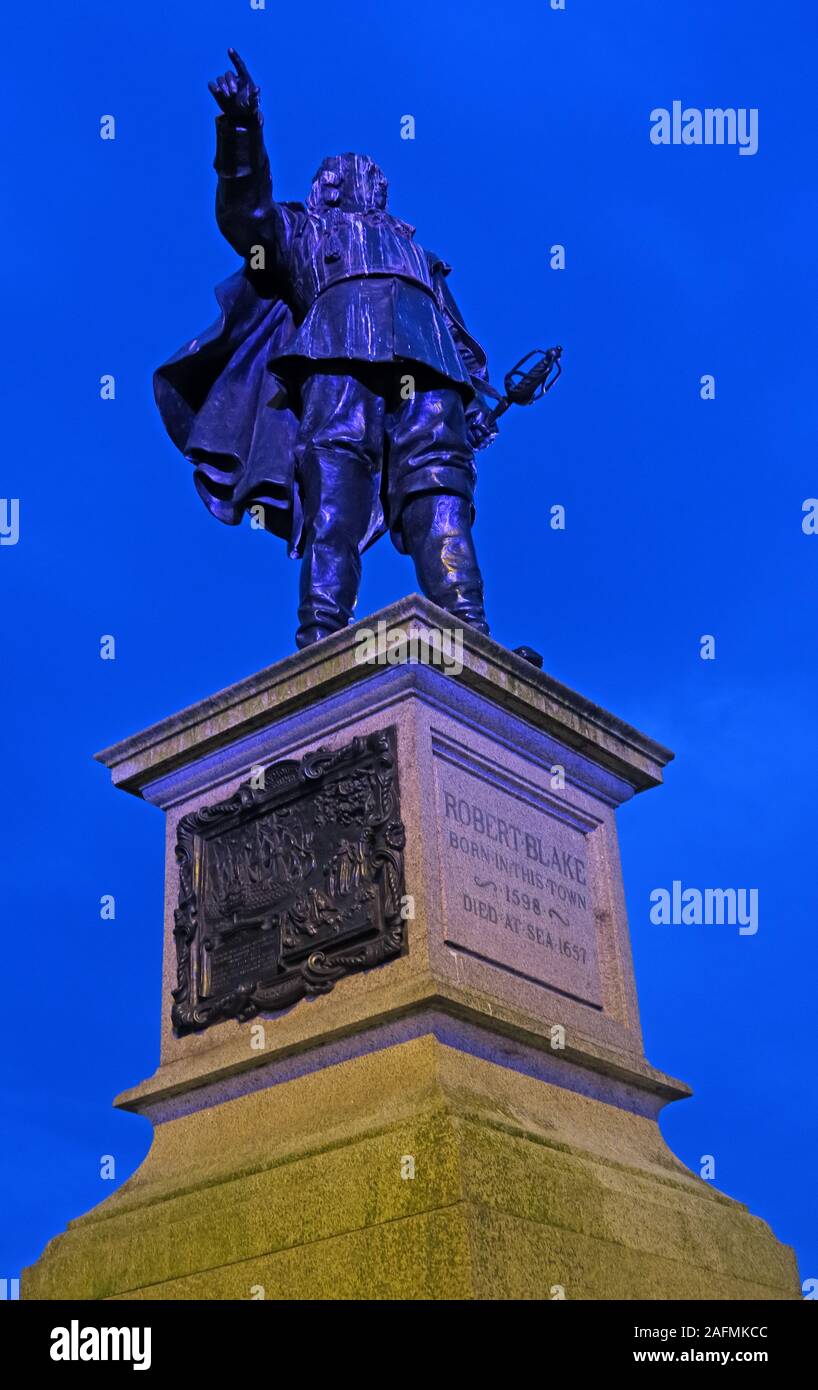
(246, 212)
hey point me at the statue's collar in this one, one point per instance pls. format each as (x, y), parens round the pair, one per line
(373, 217)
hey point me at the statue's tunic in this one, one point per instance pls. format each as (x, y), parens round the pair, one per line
(359, 285)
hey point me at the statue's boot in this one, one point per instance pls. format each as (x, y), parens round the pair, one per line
(338, 454)
(437, 534)
(338, 499)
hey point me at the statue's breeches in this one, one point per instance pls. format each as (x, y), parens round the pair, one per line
(355, 451)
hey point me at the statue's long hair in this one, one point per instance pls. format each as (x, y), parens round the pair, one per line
(348, 182)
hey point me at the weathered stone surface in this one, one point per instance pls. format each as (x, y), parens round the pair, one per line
(453, 731)
(515, 877)
(311, 676)
(501, 1051)
(519, 1186)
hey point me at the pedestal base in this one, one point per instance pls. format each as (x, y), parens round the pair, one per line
(521, 1190)
(400, 1046)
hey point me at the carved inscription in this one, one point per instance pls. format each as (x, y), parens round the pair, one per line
(517, 885)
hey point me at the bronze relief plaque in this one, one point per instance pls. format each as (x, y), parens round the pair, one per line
(294, 881)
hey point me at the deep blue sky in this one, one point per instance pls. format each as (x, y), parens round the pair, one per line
(683, 516)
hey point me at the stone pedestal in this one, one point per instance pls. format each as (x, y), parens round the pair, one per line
(447, 1097)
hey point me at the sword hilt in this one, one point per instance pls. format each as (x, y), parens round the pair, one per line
(526, 385)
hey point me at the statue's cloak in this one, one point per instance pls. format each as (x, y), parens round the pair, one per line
(231, 416)
(213, 396)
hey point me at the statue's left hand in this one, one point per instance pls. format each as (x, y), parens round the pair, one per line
(480, 432)
(237, 93)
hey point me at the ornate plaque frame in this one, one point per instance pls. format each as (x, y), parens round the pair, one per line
(294, 881)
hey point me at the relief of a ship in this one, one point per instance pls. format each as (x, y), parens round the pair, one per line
(250, 871)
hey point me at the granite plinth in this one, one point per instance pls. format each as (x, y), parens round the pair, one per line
(501, 1052)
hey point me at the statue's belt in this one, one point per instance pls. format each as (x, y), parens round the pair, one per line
(380, 275)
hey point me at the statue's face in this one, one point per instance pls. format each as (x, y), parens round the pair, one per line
(351, 182)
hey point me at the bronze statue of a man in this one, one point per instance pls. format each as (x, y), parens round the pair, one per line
(339, 393)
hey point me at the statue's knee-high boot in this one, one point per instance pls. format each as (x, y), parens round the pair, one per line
(436, 529)
(337, 457)
(337, 495)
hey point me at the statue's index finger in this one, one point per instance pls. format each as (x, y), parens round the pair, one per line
(239, 64)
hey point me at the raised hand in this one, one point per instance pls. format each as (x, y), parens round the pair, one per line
(237, 93)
